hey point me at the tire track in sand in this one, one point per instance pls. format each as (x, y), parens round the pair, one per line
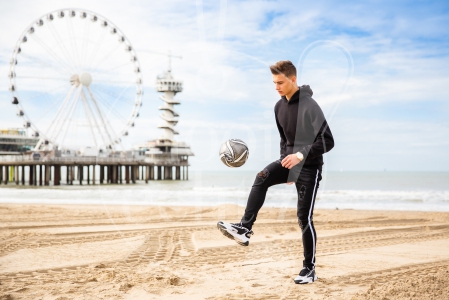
(176, 246)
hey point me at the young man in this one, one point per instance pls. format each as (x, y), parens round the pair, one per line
(305, 137)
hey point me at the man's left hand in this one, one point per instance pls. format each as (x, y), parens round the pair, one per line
(290, 161)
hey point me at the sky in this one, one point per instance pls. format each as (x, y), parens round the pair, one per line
(378, 69)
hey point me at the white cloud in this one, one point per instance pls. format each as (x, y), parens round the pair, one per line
(391, 63)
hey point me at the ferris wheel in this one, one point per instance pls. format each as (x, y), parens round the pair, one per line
(76, 81)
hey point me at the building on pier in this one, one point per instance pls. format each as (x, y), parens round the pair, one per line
(15, 141)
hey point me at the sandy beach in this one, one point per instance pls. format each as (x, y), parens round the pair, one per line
(141, 252)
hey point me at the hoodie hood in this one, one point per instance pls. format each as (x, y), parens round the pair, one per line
(305, 90)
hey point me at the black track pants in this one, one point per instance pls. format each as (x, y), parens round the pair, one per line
(306, 187)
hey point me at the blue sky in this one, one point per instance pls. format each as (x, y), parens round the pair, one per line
(392, 115)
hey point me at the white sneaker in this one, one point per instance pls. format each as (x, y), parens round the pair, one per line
(235, 231)
(306, 276)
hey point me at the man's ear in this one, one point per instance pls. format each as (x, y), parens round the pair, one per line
(293, 78)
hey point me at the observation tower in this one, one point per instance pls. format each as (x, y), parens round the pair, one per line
(165, 152)
(169, 86)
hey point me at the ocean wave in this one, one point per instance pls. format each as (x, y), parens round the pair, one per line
(435, 200)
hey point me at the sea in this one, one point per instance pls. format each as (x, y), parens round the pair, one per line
(381, 190)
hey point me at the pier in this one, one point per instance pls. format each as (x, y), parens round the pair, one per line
(44, 160)
(22, 170)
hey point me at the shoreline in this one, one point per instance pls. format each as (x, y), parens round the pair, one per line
(209, 204)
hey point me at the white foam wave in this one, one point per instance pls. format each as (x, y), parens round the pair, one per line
(431, 200)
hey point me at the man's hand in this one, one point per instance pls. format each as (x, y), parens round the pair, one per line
(290, 161)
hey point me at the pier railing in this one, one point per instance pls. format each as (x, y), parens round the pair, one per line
(91, 160)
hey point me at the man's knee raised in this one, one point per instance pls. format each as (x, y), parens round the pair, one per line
(262, 176)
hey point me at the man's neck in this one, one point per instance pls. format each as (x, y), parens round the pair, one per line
(291, 93)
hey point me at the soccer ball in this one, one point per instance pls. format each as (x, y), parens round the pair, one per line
(234, 153)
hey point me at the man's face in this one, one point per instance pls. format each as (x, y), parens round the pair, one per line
(283, 84)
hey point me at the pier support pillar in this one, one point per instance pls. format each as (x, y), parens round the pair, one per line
(114, 174)
(170, 172)
(93, 173)
(127, 174)
(57, 179)
(30, 175)
(119, 174)
(47, 175)
(178, 173)
(133, 174)
(40, 175)
(34, 174)
(6, 173)
(147, 173)
(101, 174)
(159, 172)
(16, 174)
(111, 174)
(80, 173)
(72, 174)
(23, 175)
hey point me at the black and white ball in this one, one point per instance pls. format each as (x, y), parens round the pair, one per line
(234, 153)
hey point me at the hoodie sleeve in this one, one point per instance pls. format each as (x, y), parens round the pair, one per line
(324, 141)
(283, 141)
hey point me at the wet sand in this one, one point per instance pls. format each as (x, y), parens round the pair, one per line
(140, 252)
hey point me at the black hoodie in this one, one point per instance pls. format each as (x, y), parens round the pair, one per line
(303, 127)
